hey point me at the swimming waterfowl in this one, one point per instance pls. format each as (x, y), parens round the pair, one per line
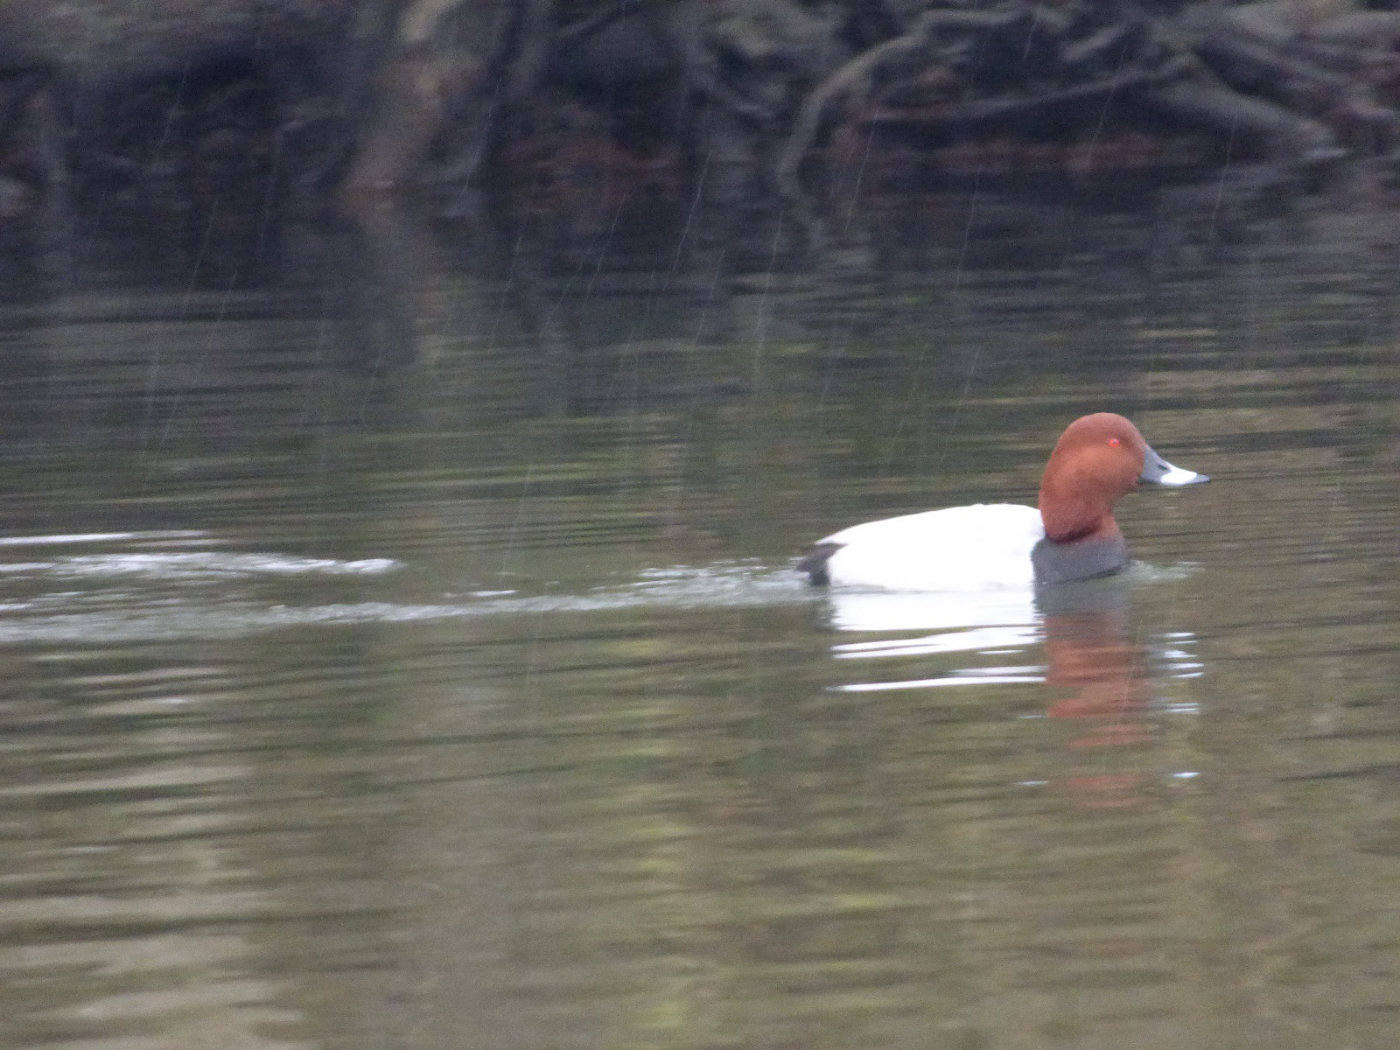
(1069, 535)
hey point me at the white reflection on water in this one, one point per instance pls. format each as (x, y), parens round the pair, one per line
(1075, 637)
(976, 639)
(984, 676)
(990, 611)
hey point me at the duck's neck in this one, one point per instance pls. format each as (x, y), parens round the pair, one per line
(1071, 517)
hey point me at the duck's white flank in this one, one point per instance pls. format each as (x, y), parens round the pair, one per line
(957, 548)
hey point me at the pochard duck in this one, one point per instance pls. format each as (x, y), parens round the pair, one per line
(1069, 535)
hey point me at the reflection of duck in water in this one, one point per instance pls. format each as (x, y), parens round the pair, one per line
(1089, 652)
(1072, 535)
(1108, 693)
(1096, 682)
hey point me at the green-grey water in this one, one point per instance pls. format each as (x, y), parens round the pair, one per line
(402, 649)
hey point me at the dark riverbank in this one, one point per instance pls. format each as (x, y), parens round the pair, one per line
(560, 117)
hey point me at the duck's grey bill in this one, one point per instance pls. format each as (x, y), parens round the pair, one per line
(1157, 471)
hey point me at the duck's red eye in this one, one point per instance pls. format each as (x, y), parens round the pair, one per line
(1114, 442)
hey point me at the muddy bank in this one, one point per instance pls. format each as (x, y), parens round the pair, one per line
(568, 117)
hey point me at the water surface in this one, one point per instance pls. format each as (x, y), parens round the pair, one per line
(406, 652)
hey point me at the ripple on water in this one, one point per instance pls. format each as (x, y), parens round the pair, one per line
(171, 595)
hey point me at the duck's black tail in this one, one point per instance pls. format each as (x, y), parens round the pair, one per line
(813, 563)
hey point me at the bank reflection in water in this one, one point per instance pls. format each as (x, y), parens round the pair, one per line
(1075, 644)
